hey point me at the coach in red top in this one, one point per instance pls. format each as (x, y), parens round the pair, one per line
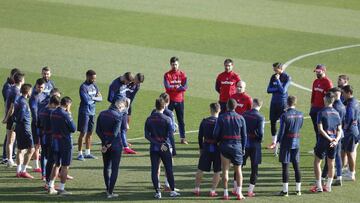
(320, 87)
(226, 83)
(244, 101)
(175, 83)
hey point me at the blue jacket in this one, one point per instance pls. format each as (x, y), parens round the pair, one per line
(6, 87)
(117, 90)
(205, 137)
(254, 126)
(170, 114)
(49, 85)
(330, 120)
(132, 89)
(34, 101)
(158, 130)
(230, 128)
(44, 120)
(351, 118)
(62, 125)
(291, 122)
(22, 115)
(12, 96)
(341, 109)
(108, 126)
(279, 88)
(88, 92)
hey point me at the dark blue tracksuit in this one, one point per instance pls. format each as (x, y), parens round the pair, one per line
(34, 101)
(88, 99)
(279, 90)
(255, 130)
(108, 127)
(158, 130)
(230, 131)
(132, 89)
(62, 125)
(46, 139)
(117, 90)
(5, 92)
(291, 122)
(330, 120)
(22, 119)
(210, 154)
(12, 96)
(351, 128)
(49, 85)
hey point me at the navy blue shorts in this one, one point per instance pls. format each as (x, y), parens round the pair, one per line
(276, 109)
(85, 123)
(254, 153)
(35, 133)
(323, 149)
(232, 152)
(24, 138)
(62, 157)
(209, 158)
(289, 155)
(348, 143)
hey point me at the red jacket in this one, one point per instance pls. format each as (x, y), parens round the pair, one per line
(175, 83)
(226, 85)
(244, 102)
(319, 89)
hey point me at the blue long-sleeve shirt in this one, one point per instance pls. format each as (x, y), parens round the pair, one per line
(291, 122)
(49, 85)
(206, 138)
(117, 90)
(6, 87)
(279, 88)
(330, 120)
(341, 109)
(88, 99)
(22, 113)
(132, 89)
(62, 125)
(230, 128)
(158, 130)
(351, 118)
(255, 123)
(44, 120)
(34, 101)
(170, 114)
(12, 96)
(108, 126)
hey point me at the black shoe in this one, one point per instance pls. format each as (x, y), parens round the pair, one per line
(282, 193)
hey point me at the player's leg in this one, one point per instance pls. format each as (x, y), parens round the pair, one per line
(331, 172)
(352, 164)
(88, 138)
(27, 157)
(285, 179)
(317, 172)
(36, 155)
(63, 177)
(297, 177)
(9, 146)
(338, 165)
(115, 162)
(83, 121)
(313, 115)
(54, 174)
(166, 158)
(225, 165)
(179, 109)
(106, 169)
(4, 156)
(255, 157)
(19, 161)
(273, 118)
(126, 147)
(198, 177)
(239, 181)
(155, 159)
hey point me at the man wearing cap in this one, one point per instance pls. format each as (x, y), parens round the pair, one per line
(278, 87)
(320, 87)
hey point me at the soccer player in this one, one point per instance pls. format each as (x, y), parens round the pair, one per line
(175, 82)
(291, 122)
(226, 84)
(118, 87)
(24, 137)
(36, 97)
(343, 80)
(320, 87)
(133, 88)
(46, 138)
(158, 130)
(278, 87)
(5, 90)
(329, 125)
(340, 108)
(89, 95)
(255, 123)
(62, 125)
(351, 130)
(230, 132)
(209, 152)
(244, 101)
(49, 84)
(13, 94)
(108, 127)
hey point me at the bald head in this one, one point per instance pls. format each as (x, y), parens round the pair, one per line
(241, 87)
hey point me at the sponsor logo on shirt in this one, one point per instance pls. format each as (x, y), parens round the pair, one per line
(319, 89)
(227, 83)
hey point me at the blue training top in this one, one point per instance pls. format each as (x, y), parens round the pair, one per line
(291, 122)
(255, 123)
(279, 88)
(158, 130)
(88, 99)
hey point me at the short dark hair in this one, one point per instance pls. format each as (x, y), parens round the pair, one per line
(55, 100)
(228, 61)
(257, 102)
(348, 89)
(40, 81)
(231, 104)
(25, 88)
(173, 59)
(129, 76)
(291, 100)
(329, 97)
(46, 69)
(335, 89)
(65, 101)
(90, 73)
(54, 91)
(344, 77)
(140, 77)
(14, 71)
(277, 65)
(165, 96)
(18, 77)
(159, 104)
(214, 107)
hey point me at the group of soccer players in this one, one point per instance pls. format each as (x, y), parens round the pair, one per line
(42, 124)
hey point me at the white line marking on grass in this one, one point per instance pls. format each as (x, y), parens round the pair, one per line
(288, 63)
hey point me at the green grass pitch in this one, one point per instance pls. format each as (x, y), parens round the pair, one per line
(114, 36)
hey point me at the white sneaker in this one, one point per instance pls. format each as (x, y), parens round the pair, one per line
(349, 177)
(64, 192)
(174, 194)
(109, 196)
(157, 195)
(11, 164)
(52, 191)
